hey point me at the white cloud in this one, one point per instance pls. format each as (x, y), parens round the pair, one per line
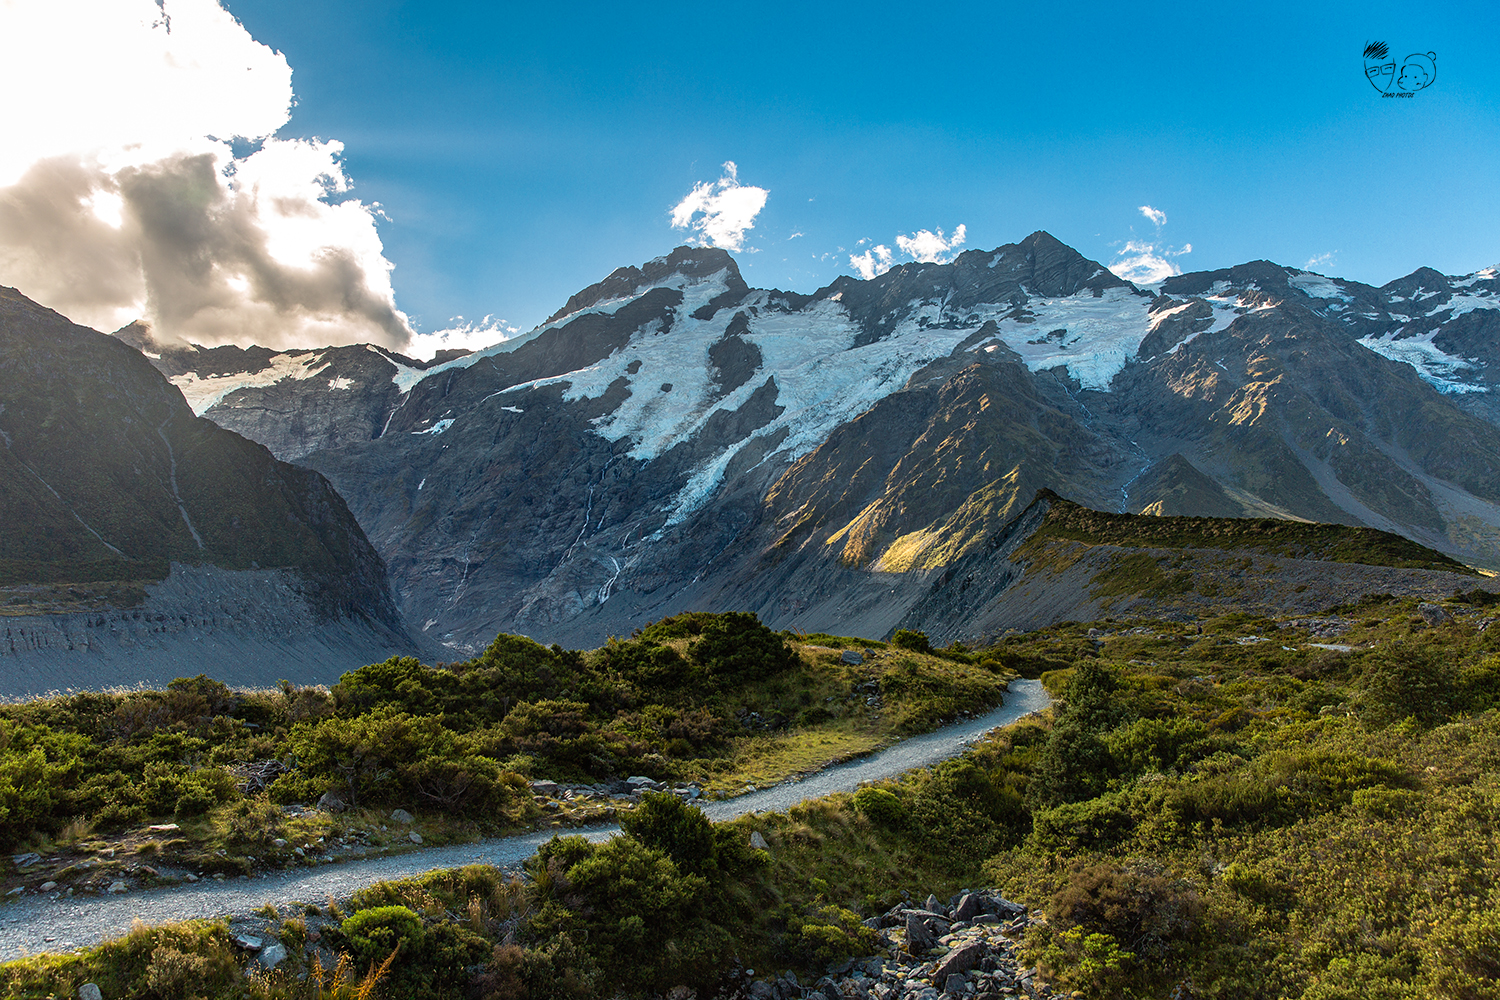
(876, 260)
(121, 196)
(467, 336)
(1320, 260)
(1146, 262)
(923, 245)
(931, 247)
(722, 211)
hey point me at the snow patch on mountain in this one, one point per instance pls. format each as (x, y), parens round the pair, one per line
(204, 392)
(703, 290)
(1316, 286)
(1467, 303)
(1436, 367)
(1100, 335)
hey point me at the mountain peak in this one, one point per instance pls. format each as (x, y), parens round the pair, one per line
(691, 263)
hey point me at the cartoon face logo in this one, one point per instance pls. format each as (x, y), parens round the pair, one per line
(1418, 71)
(1380, 68)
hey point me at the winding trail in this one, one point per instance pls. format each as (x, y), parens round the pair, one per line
(33, 924)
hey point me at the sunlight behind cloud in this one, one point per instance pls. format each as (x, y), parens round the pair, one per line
(121, 196)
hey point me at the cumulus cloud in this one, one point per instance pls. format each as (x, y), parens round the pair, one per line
(923, 245)
(931, 247)
(722, 211)
(144, 181)
(876, 260)
(1146, 262)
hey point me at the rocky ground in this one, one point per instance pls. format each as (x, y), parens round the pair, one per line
(967, 947)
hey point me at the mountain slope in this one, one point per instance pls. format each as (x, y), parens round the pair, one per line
(673, 438)
(108, 476)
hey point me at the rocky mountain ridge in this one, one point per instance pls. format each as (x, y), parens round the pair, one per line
(109, 481)
(672, 438)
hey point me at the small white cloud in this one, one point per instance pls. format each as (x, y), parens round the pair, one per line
(1147, 262)
(723, 211)
(924, 245)
(795, 235)
(876, 260)
(468, 336)
(1320, 260)
(930, 247)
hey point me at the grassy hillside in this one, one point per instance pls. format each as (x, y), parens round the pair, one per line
(1290, 539)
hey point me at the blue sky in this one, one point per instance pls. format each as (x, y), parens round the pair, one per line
(521, 152)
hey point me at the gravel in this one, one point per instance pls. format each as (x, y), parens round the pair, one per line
(31, 924)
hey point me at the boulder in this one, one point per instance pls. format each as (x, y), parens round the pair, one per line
(119, 887)
(271, 957)
(89, 991)
(544, 788)
(919, 940)
(933, 906)
(331, 802)
(964, 958)
(953, 985)
(760, 990)
(402, 816)
(852, 656)
(414, 837)
(968, 907)
(249, 942)
(758, 842)
(1433, 614)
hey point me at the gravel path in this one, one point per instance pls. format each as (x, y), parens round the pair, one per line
(34, 924)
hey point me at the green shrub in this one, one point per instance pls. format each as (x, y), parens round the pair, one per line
(882, 806)
(735, 649)
(1096, 824)
(917, 642)
(373, 934)
(1142, 909)
(831, 934)
(665, 823)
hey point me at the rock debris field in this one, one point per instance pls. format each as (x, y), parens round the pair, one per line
(38, 922)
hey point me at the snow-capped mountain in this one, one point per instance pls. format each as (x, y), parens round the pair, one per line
(674, 438)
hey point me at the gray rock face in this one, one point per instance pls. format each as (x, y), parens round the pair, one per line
(272, 956)
(958, 961)
(919, 940)
(332, 802)
(968, 907)
(1434, 615)
(90, 991)
(402, 816)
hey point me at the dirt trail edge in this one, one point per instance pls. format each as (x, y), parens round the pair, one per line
(37, 924)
